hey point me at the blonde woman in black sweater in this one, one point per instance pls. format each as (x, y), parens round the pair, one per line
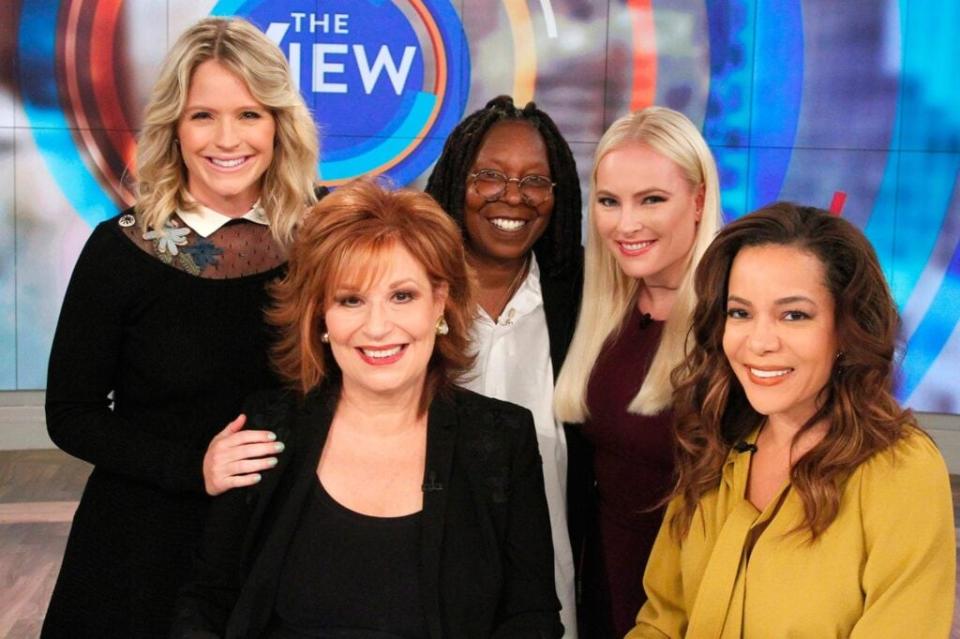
(161, 332)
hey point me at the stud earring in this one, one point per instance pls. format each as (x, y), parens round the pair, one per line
(442, 327)
(325, 337)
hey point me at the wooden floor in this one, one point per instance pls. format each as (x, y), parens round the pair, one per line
(39, 490)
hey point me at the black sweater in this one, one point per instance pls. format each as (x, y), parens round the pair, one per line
(178, 353)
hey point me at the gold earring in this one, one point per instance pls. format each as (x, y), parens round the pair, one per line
(442, 327)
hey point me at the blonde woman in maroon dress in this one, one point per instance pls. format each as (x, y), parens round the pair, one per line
(654, 208)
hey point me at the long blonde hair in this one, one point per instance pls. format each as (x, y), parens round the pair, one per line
(608, 294)
(288, 183)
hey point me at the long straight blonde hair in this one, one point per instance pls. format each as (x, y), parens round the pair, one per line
(287, 188)
(609, 294)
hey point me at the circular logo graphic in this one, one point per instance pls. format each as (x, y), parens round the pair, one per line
(385, 80)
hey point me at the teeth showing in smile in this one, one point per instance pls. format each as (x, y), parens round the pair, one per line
(381, 354)
(228, 164)
(636, 246)
(756, 372)
(505, 224)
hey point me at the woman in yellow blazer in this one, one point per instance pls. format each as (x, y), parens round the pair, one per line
(808, 503)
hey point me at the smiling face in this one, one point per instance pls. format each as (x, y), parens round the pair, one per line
(507, 229)
(382, 334)
(780, 337)
(226, 140)
(646, 213)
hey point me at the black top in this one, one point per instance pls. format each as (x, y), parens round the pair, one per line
(485, 559)
(349, 571)
(178, 353)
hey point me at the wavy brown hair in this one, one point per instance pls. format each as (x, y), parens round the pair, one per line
(863, 418)
(341, 241)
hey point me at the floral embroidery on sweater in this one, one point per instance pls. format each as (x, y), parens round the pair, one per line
(168, 238)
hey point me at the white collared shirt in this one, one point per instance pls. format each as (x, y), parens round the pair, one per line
(205, 221)
(513, 364)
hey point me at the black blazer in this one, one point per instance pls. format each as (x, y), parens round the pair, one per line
(486, 555)
(561, 303)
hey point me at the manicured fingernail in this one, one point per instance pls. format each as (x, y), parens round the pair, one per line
(257, 478)
(271, 436)
(279, 447)
(273, 461)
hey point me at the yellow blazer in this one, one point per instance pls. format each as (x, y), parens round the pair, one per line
(886, 566)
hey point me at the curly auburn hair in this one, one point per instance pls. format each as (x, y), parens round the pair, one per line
(342, 240)
(558, 249)
(712, 410)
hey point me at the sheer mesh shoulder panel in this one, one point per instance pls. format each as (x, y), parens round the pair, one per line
(237, 249)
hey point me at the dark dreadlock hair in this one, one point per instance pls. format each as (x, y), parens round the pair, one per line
(558, 247)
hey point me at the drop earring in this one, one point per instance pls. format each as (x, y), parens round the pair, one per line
(325, 337)
(442, 327)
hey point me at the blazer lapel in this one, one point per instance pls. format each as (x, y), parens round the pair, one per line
(561, 301)
(281, 514)
(441, 439)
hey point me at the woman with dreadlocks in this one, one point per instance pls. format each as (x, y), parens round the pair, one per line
(508, 178)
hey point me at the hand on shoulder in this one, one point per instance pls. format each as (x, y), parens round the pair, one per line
(236, 457)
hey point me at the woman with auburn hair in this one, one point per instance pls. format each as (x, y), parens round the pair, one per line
(161, 334)
(404, 506)
(808, 503)
(654, 207)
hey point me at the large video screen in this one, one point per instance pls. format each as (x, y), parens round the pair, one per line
(798, 99)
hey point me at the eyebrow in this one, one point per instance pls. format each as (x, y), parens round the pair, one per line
(655, 189)
(541, 170)
(354, 288)
(405, 281)
(202, 107)
(792, 299)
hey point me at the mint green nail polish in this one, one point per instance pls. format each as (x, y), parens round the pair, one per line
(279, 447)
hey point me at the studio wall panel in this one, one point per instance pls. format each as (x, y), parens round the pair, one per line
(8, 56)
(8, 262)
(798, 98)
(49, 236)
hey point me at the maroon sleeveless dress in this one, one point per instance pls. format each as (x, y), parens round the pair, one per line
(633, 471)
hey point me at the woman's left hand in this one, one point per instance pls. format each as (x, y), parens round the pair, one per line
(235, 457)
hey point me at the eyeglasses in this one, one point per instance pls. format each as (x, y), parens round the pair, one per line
(491, 185)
